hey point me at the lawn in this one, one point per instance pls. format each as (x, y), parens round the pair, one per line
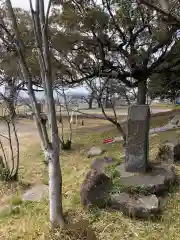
(31, 220)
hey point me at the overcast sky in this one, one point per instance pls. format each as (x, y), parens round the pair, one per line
(23, 3)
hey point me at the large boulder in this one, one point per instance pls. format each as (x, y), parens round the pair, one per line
(136, 206)
(95, 187)
(118, 139)
(95, 151)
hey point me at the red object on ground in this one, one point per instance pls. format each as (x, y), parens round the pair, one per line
(108, 140)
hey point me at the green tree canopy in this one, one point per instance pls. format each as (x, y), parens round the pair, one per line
(114, 39)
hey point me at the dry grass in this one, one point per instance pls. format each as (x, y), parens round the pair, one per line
(28, 221)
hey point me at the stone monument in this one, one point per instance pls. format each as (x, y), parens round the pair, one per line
(137, 142)
(140, 192)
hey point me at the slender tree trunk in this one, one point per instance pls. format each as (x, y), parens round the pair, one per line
(55, 178)
(107, 101)
(69, 117)
(51, 147)
(121, 130)
(90, 102)
(142, 92)
(55, 187)
(127, 98)
(15, 176)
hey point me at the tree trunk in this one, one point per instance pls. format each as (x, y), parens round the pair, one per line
(90, 102)
(121, 130)
(107, 101)
(142, 92)
(55, 187)
(127, 98)
(51, 147)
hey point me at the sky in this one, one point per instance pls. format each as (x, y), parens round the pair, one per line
(25, 5)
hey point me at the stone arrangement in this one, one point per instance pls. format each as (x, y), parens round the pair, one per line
(136, 186)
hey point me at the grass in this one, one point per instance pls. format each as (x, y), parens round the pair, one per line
(166, 105)
(163, 105)
(28, 220)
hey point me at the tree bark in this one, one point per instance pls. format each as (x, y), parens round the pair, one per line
(55, 178)
(55, 186)
(51, 148)
(90, 103)
(142, 92)
(107, 101)
(121, 130)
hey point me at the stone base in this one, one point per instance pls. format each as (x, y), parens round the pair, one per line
(141, 207)
(156, 181)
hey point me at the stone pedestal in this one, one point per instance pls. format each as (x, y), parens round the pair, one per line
(137, 142)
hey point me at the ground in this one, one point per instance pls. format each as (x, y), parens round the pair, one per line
(121, 110)
(31, 220)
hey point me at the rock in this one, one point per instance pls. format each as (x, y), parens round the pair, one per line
(141, 207)
(118, 139)
(164, 128)
(94, 190)
(175, 120)
(95, 151)
(170, 126)
(122, 171)
(95, 187)
(158, 180)
(166, 153)
(100, 164)
(169, 152)
(36, 193)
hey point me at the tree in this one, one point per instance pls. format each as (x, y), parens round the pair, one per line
(90, 97)
(167, 10)
(9, 162)
(105, 95)
(42, 51)
(168, 13)
(110, 39)
(165, 85)
(65, 144)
